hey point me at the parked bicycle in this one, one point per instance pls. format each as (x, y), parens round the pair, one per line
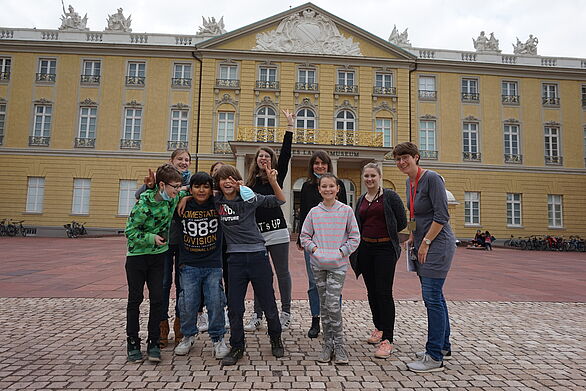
(75, 229)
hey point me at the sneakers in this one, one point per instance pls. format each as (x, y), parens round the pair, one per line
(277, 346)
(285, 319)
(226, 319)
(325, 355)
(426, 364)
(202, 322)
(253, 324)
(185, 345)
(375, 337)
(177, 330)
(164, 339)
(340, 355)
(314, 329)
(446, 353)
(233, 356)
(220, 349)
(384, 349)
(133, 349)
(153, 351)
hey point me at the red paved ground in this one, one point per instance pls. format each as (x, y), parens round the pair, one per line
(94, 267)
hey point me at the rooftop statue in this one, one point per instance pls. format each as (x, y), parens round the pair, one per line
(211, 27)
(482, 44)
(72, 21)
(400, 39)
(529, 47)
(117, 22)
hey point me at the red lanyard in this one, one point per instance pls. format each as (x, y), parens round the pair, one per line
(412, 193)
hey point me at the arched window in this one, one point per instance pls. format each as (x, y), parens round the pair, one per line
(345, 128)
(305, 132)
(266, 120)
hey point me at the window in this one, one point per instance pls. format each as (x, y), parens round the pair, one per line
(555, 211)
(126, 199)
(345, 78)
(81, 197)
(5, 68)
(2, 121)
(305, 131)
(470, 141)
(91, 72)
(41, 132)
(383, 84)
(136, 74)
(228, 72)
(427, 144)
(132, 124)
(552, 145)
(584, 144)
(510, 92)
(306, 80)
(514, 209)
(266, 117)
(511, 139)
(550, 95)
(47, 70)
(345, 128)
(35, 195)
(383, 125)
(471, 208)
(268, 78)
(179, 125)
(87, 122)
(225, 126)
(427, 90)
(470, 90)
(181, 75)
(583, 96)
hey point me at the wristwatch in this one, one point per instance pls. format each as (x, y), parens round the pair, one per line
(427, 241)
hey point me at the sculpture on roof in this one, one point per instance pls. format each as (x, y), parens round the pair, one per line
(529, 47)
(212, 28)
(482, 44)
(307, 32)
(72, 21)
(400, 39)
(118, 22)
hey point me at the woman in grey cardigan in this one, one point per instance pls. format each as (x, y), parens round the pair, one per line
(434, 245)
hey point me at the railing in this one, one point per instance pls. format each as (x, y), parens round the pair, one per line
(306, 86)
(471, 156)
(173, 145)
(135, 81)
(90, 79)
(512, 158)
(510, 99)
(46, 77)
(181, 82)
(4, 75)
(38, 141)
(428, 155)
(366, 138)
(389, 91)
(346, 89)
(583, 102)
(127, 143)
(554, 160)
(470, 96)
(227, 83)
(427, 95)
(1, 139)
(267, 85)
(84, 142)
(222, 147)
(550, 101)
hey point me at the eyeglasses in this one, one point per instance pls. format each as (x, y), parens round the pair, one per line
(176, 187)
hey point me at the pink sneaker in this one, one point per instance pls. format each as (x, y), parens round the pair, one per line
(375, 337)
(384, 349)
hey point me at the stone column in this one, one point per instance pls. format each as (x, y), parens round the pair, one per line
(335, 166)
(240, 164)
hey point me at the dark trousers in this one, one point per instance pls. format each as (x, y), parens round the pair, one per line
(254, 268)
(171, 262)
(141, 269)
(377, 264)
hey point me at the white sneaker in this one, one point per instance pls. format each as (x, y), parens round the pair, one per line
(253, 324)
(227, 320)
(286, 320)
(185, 345)
(220, 349)
(202, 322)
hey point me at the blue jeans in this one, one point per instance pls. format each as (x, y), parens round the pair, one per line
(194, 280)
(171, 259)
(312, 290)
(438, 321)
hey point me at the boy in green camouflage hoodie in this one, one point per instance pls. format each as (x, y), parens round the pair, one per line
(147, 229)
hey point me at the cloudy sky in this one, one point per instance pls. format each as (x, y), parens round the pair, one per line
(440, 24)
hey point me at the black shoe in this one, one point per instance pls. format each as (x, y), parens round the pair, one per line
(233, 357)
(277, 346)
(314, 330)
(133, 349)
(153, 351)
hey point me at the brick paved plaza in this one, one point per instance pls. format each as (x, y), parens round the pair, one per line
(517, 324)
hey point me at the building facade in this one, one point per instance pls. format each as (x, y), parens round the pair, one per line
(84, 114)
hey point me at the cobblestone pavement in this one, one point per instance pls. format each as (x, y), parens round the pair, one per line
(78, 344)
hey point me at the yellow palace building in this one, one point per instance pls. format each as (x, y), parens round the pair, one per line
(85, 113)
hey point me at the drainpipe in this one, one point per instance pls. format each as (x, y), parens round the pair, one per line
(198, 111)
(410, 100)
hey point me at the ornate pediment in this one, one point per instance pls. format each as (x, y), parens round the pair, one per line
(512, 121)
(471, 118)
(88, 102)
(180, 106)
(428, 117)
(43, 101)
(307, 32)
(346, 105)
(133, 103)
(226, 98)
(552, 123)
(384, 106)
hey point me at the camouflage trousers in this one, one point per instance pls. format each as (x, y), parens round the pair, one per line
(329, 287)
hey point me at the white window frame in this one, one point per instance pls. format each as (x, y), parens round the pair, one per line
(182, 71)
(469, 85)
(43, 121)
(47, 66)
(385, 126)
(88, 116)
(384, 80)
(550, 90)
(305, 75)
(179, 126)
(136, 69)
(35, 194)
(267, 74)
(552, 141)
(226, 121)
(427, 83)
(266, 117)
(80, 202)
(92, 67)
(228, 72)
(514, 210)
(304, 120)
(555, 211)
(132, 123)
(512, 139)
(472, 208)
(470, 137)
(5, 63)
(509, 88)
(427, 132)
(126, 198)
(346, 123)
(345, 78)
(2, 120)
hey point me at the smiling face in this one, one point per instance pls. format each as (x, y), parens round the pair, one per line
(171, 188)
(320, 167)
(328, 189)
(407, 164)
(227, 188)
(371, 178)
(201, 193)
(263, 158)
(181, 161)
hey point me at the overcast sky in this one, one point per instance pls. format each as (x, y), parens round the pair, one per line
(559, 25)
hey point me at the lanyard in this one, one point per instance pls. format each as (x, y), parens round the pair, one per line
(412, 193)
